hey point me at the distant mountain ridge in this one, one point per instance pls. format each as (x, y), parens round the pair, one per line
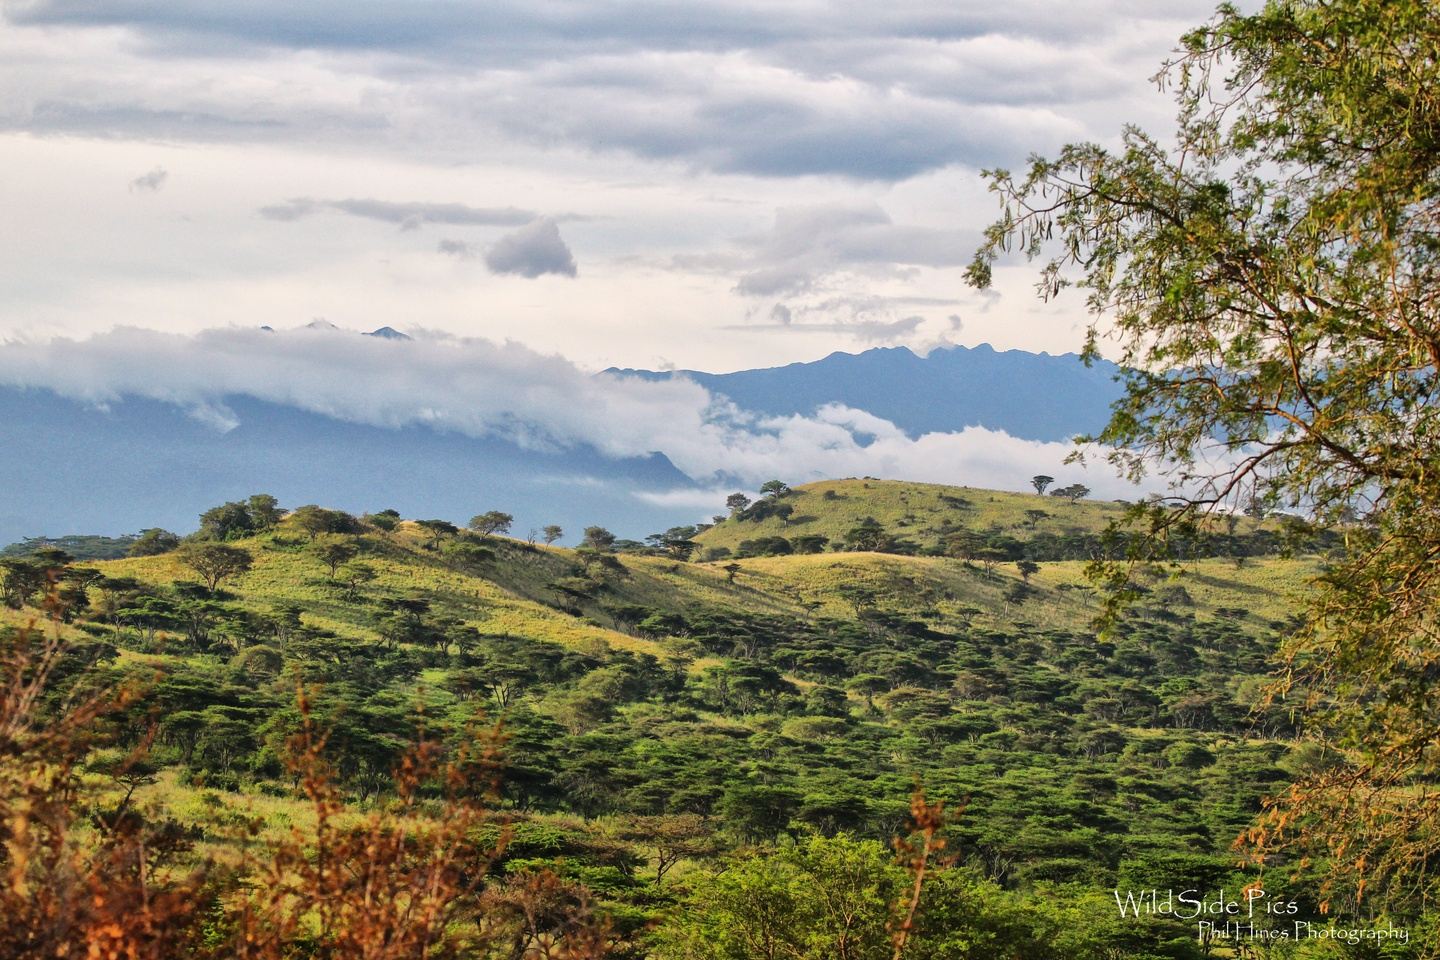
(73, 468)
(1034, 396)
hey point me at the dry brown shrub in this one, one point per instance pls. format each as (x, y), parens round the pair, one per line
(411, 879)
(103, 886)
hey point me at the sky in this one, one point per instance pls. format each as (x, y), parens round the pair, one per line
(652, 183)
(206, 199)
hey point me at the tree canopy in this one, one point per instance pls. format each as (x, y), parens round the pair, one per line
(1269, 273)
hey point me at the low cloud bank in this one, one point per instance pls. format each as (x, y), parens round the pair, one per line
(484, 389)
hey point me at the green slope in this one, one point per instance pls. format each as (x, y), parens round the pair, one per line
(768, 696)
(548, 594)
(925, 514)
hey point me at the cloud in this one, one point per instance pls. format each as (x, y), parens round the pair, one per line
(805, 246)
(532, 251)
(460, 249)
(484, 389)
(711, 499)
(867, 318)
(866, 331)
(149, 182)
(409, 216)
(521, 31)
(869, 91)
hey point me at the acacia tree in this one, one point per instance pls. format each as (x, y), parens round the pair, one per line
(215, 562)
(1040, 481)
(1270, 273)
(774, 489)
(492, 521)
(335, 553)
(437, 530)
(598, 539)
(353, 575)
(152, 542)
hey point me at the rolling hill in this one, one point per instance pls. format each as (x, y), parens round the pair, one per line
(751, 702)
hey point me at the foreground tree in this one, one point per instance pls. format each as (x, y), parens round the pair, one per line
(1271, 275)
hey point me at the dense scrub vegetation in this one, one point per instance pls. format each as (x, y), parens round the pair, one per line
(693, 758)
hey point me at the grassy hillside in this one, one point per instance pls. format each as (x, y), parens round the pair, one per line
(546, 594)
(744, 703)
(924, 514)
(950, 592)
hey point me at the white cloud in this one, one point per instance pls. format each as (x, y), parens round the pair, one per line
(672, 127)
(459, 249)
(806, 246)
(480, 388)
(774, 89)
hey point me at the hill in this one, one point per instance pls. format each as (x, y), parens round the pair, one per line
(727, 703)
(934, 519)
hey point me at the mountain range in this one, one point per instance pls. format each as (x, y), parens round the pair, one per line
(72, 467)
(1034, 396)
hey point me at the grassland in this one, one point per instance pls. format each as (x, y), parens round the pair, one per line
(516, 594)
(924, 512)
(754, 701)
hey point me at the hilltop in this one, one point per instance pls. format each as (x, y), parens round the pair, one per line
(923, 513)
(937, 520)
(556, 594)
